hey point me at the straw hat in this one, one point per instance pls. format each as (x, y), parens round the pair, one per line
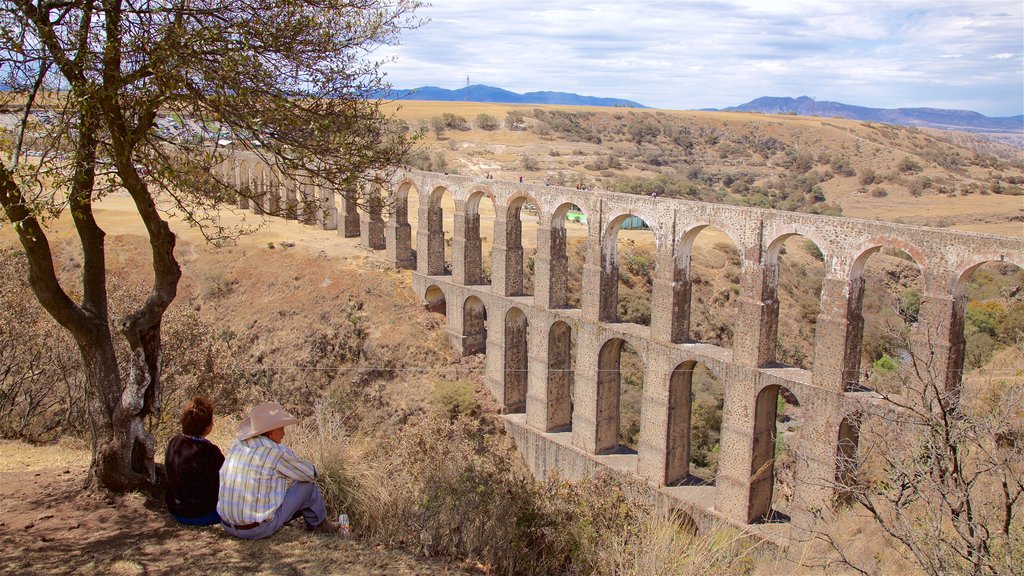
(264, 418)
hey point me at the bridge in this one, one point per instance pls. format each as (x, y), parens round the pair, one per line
(538, 349)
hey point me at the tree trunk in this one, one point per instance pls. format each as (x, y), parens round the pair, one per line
(122, 449)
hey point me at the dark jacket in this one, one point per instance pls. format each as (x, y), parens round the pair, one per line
(193, 474)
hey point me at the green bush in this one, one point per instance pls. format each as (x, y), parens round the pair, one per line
(452, 399)
(487, 122)
(884, 365)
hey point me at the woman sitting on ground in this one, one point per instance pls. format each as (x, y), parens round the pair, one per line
(193, 466)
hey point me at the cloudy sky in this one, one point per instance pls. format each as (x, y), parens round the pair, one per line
(685, 54)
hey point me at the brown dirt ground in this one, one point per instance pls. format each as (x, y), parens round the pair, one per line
(50, 525)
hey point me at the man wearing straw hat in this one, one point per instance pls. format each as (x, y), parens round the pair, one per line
(263, 484)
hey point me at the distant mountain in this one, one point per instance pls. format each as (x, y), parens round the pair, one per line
(481, 93)
(926, 117)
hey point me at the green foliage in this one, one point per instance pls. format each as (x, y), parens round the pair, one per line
(487, 122)
(422, 159)
(515, 120)
(985, 317)
(908, 165)
(452, 399)
(529, 163)
(884, 365)
(454, 122)
(811, 248)
(910, 305)
(573, 125)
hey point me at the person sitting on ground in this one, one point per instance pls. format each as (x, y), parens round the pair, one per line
(192, 465)
(263, 484)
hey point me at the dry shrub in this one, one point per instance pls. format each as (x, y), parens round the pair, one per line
(42, 384)
(456, 488)
(351, 481)
(664, 546)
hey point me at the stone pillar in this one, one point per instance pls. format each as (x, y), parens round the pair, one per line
(494, 363)
(433, 230)
(652, 447)
(328, 211)
(837, 337)
(937, 340)
(398, 238)
(291, 202)
(261, 197)
(551, 267)
(466, 265)
(662, 293)
(537, 405)
(590, 294)
(816, 456)
(274, 194)
(372, 224)
(350, 224)
(584, 414)
(516, 367)
(422, 235)
(757, 316)
(682, 291)
(732, 486)
(499, 253)
(513, 265)
(243, 183)
(608, 281)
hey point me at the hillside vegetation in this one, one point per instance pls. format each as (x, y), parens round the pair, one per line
(809, 164)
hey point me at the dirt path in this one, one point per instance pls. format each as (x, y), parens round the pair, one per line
(50, 525)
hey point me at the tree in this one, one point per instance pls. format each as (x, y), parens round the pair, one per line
(487, 122)
(92, 80)
(940, 472)
(515, 120)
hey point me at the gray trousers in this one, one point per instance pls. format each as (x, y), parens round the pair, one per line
(301, 499)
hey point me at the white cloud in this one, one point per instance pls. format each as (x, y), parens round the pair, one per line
(694, 54)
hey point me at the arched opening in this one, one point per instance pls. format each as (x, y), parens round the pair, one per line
(474, 326)
(795, 273)
(707, 279)
(774, 455)
(399, 229)
(628, 271)
(520, 245)
(479, 238)
(440, 232)
(561, 377)
(567, 255)
(846, 457)
(619, 377)
(988, 320)
(435, 301)
(516, 361)
(696, 401)
(886, 289)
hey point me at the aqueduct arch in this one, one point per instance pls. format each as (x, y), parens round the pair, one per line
(571, 437)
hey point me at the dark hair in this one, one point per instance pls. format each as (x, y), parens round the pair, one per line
(197, 416)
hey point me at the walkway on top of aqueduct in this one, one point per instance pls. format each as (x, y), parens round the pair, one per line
(555, 369)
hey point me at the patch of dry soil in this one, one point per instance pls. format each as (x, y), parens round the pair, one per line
(51, 525)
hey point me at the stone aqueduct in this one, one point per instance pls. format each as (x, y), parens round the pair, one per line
(529, 339)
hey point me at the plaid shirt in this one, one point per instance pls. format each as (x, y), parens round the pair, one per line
(254, 478)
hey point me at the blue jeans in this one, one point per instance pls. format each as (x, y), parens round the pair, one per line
(208, 519)
(301, 499)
